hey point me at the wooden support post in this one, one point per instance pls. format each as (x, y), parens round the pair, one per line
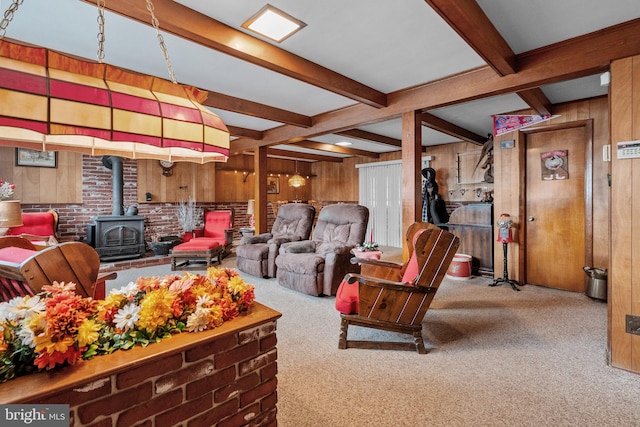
(260, 193)
(411, 172)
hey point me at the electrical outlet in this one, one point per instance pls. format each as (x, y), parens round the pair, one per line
(633, 324)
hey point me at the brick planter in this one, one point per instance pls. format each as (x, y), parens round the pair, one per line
(222, 377)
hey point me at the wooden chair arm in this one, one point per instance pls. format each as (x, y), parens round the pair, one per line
(16, 241)
(376, 282)
(40, 242)
(387, 270)
(107, 276)
(376, 262)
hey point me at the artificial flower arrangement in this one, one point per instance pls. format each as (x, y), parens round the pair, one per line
(367, 246)
(6, 189)
(57, 327)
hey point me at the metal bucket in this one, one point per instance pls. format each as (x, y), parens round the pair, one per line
(596, 283)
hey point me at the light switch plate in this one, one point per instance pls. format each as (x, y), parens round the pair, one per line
(509, 143)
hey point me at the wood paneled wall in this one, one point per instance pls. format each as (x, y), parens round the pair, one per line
(37, 185)
(624, 271)
(188, 180)
(233, 186)
(218, 182)
(337, 181)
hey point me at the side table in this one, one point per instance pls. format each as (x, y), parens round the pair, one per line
(247, 231)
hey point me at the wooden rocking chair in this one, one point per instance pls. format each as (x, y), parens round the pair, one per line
(395, 297)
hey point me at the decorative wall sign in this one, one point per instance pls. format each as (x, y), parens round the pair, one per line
(35, 158)
(555, 165)
(273, 185)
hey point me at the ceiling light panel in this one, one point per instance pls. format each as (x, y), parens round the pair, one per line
(273, 23)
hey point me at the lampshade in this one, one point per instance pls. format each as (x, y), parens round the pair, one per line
(251, 203)
(10, 214)
(53, 102)
(297, 181)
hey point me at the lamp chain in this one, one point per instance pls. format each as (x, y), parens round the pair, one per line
(101, 38)
(156, 25)
(8, 16)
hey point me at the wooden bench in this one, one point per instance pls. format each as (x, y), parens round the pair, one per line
(198, 250)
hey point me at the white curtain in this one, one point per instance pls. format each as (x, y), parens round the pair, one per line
(380, 189)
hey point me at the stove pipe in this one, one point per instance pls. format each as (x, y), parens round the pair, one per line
(117, 184)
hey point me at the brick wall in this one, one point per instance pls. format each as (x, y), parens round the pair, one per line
(224, 380)
(160, 218)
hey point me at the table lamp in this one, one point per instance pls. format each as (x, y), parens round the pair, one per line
(10, 215)
(250, 211)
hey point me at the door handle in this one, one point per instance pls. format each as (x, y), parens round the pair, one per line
(531, 219)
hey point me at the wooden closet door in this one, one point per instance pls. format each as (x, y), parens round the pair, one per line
(555, 211)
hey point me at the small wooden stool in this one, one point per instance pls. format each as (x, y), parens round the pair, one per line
(193, 250)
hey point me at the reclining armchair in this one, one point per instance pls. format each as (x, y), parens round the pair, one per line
(395, 297)
(256, 255)
(317, 266)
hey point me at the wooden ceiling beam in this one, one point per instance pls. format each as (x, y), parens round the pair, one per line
(244, 132)
(370, 136)
(313, 145)
(254, 109)
(578, 57)
(441, 125)
(305, 156)
(471, 23)
(537, 100)
(189, 24)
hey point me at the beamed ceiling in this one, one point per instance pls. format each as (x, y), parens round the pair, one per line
(357, 65)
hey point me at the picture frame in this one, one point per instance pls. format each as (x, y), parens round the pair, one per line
(35, 158)
(273, 185)
(467, 172)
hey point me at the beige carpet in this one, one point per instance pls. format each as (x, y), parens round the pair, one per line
(498, 358)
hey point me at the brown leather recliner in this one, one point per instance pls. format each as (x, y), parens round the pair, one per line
(256, 255)
(317, 266)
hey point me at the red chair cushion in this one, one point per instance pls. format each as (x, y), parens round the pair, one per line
(215, 223)
(347, 298)
(411, 272)
(197, 244)
(15, 255)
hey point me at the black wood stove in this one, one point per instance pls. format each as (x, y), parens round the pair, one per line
(117, 236)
